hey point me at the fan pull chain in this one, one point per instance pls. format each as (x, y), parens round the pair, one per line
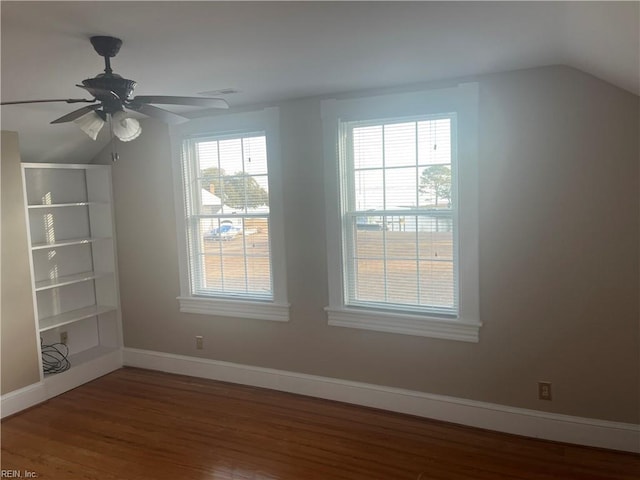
(115, 156)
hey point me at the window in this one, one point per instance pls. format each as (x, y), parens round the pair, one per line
(400, 214)
(405, 221)
(228, 216)
(231, 218)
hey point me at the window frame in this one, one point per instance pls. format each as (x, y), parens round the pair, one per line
(461, 100)
(234, 305)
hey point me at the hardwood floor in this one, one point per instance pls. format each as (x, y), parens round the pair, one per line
(139, 424)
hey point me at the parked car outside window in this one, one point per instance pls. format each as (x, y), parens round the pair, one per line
(224, 232)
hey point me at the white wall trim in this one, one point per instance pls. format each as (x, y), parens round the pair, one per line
(54, 385)
(23, 398)
(405, 324)
(235, 308)
(519, 421)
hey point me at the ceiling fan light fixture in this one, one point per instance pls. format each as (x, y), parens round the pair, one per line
(91, 124)
(125, 128)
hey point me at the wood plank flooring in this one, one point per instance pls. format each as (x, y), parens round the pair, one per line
(139, 424)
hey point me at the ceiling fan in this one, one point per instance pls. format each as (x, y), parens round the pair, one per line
(112, 95)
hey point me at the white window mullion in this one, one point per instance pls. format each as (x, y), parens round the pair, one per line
(455, 169)
(244, 238)
(220, 181)
(384, 221)
(220, 255)
(347, 218)
(197, 275)
(417, 234)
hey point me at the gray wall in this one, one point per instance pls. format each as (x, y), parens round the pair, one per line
(18, 330)
(559, 245)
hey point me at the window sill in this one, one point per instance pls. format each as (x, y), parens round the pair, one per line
(405, 324)
(235, 308)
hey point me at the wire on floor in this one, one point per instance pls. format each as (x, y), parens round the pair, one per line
(55, 357)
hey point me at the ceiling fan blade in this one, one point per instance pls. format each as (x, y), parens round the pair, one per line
(155, 112)
(100, 93)
(171, 100)
(66, 100)
(70, 117)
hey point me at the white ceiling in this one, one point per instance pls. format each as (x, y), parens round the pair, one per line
(274, 51)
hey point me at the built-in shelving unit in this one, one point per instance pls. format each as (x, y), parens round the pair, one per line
(73, 266)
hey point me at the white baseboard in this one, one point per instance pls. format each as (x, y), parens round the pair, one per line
(519, 421)
(51, 386)
(23, 398)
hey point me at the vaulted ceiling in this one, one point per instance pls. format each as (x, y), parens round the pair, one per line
(272, 51)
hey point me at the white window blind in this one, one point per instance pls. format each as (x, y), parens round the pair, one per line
(399, 213)
(227, 216)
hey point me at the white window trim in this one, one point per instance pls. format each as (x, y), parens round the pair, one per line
(268, 121)
(462, 99)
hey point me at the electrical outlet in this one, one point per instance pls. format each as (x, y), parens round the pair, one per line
(544, 390)
(64, 337)
(199, 342)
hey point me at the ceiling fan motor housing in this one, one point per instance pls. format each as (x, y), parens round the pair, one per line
(108, 83)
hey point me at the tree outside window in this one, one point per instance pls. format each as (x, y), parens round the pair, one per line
(435, 182)
(239, 190)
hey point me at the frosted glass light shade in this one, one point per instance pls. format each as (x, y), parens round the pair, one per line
(125, 128)
(91, 124)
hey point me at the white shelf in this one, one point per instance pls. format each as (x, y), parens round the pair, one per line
(71, 206)
(68, 280)
(60, 205)
(73, 316)
(67, 242)
(86, 356)
(90, 354)
(85, 366)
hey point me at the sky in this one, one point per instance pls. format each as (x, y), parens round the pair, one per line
(389, 160)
